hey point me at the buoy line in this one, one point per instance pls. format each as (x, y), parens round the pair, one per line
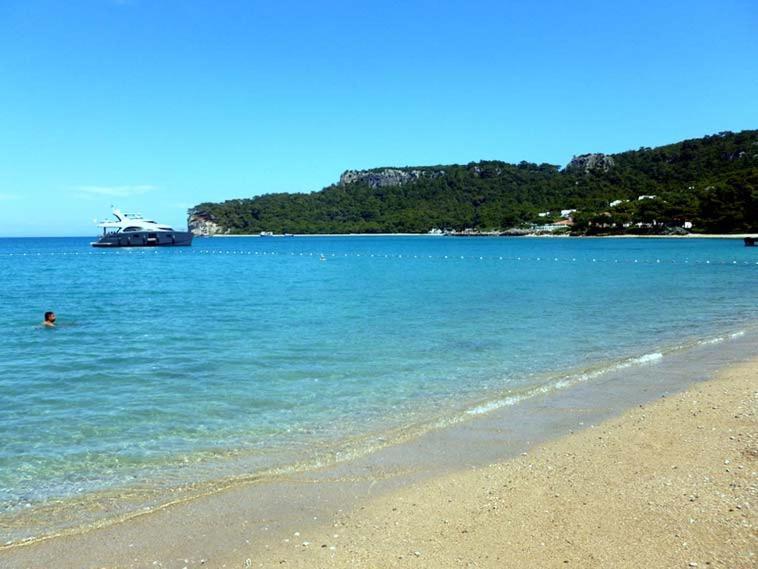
(388, 256)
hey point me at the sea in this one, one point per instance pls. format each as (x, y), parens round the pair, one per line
(176, 370)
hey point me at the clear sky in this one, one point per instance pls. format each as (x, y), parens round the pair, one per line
(157, 105)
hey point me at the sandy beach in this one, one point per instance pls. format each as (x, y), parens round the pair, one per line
(495, 305)
(672, 484)
(667, 484)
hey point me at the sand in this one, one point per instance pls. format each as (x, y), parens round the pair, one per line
(672, 484)
(667, 484)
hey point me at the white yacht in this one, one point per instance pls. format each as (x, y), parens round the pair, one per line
(133, 230)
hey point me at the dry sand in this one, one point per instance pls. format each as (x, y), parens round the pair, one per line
(670, 484)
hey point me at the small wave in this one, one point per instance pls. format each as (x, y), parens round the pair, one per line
(719, 339)
(706, 341)
(646, 359)
(566, 381)
(710, 341)
(498, 403)
(563, 383)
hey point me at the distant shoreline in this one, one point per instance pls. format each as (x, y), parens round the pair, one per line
(690, 236)
(246, 235)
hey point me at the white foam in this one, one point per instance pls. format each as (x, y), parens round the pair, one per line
(646, 359)
(497, 404)
(563, 383)
(708, 342)
(737, 334)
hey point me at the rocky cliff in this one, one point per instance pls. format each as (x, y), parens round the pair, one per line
(203, 223)
(590, 162)
(386, 177)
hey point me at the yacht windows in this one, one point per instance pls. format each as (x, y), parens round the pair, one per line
(131, 229)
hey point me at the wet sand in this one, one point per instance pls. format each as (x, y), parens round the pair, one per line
(669, 483)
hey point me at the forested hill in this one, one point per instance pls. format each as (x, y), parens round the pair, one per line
(710, 182)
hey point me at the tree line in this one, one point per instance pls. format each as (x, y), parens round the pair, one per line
(709, 182)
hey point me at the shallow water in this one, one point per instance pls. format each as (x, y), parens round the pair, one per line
(239, 355)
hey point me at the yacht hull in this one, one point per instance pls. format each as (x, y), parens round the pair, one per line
(145, 239)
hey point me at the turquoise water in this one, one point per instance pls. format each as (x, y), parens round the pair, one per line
(242, 355)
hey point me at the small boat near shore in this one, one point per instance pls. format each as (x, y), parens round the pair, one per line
(133, 230)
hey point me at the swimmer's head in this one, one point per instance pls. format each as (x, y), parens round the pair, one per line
(50, 317)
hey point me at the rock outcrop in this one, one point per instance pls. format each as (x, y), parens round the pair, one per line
(203, 223)
(386, 177)
(587, 163)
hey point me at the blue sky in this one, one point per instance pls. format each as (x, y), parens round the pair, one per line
(156, 105)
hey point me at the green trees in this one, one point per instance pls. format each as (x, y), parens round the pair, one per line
(711, 182)
(731, 205)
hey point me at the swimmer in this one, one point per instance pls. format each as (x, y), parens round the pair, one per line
(49, 320)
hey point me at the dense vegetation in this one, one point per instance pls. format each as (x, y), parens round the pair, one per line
(711, 182)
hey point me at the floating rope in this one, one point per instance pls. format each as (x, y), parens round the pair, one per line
(396, 256)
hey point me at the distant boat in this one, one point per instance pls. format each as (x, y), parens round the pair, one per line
(267, 234)
(133, 230)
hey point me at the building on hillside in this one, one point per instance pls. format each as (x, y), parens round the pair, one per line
(551, 227)
(564, 223)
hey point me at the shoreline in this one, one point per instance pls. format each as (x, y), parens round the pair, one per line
(52, 520)
(667, 484)
(562, 236)
(324, 494)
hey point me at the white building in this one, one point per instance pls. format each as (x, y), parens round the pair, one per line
(614, 203)
(646, 198)
(548, 228)
(566, 213)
